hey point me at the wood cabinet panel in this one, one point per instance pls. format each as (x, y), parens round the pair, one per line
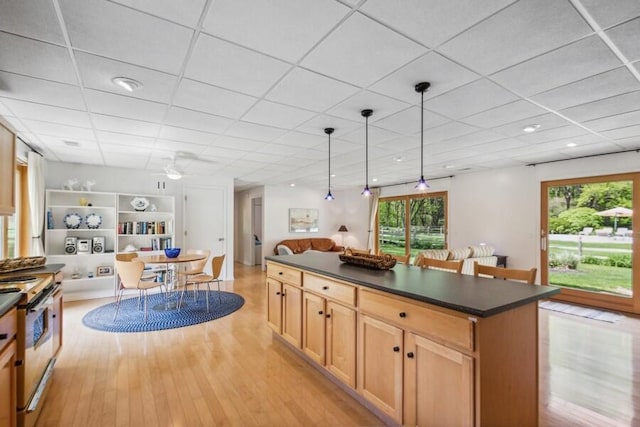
(8, 327)
(8, 392)
(56, 326)
(456, 330)
(438, 384)
(330, 288)
(313, 325)
(341, 342)
(380, 359)
(7, 171)
(274, 305)
(285, 274)
(292, 314)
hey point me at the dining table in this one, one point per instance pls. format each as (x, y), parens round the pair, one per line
(170, 278)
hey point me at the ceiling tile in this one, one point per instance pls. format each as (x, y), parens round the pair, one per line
(54, 129)
(612, 122)
(124, 139)
(31, 18)
(16, 124)
(472, 139)
(195, 120)
(226, 65)
(381, 105)
(47, 113)
(305, 140)
(442, 73)
(4, 111)
(242, 144)
(185, 12)
(97, 72)
(312, 91)
(604, 107)
(546, 121)
(600, 86)
(407, 122)
(432, 21)
(548, 25)
(273, 30)
(376, 136)
(173, 147)
(507, 113)
(576, 61)
(317, 124)
(627, 38)
(346, 55)
(42, 91)
(587, 150)
(186, 135)
(270, 113)
(218, 153)
(126, 126)
(472, 98)
(134, 36)
(606, 14)
(629, 143)
(211, 99)
(622, 133)
(124, 106)
(253, 131)
(36, 59)
(448, 131)
(553, 134)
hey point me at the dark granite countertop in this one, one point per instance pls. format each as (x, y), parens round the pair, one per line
(478, 296)
(47, 268)
(8, 301)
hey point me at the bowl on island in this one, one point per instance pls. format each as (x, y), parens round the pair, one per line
(172, 252)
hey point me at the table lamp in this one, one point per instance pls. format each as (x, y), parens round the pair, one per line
(343, 229)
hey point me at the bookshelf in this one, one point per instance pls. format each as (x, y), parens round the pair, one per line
(148, 230)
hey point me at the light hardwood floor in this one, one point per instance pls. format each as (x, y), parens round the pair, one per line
(231, 372)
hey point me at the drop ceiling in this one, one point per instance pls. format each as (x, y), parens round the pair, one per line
(248, 86)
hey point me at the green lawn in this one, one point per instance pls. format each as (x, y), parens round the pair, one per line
(595, 278)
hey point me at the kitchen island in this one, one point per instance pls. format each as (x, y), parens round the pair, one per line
(417, 347)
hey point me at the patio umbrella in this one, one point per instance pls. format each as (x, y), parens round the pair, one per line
(616, 213)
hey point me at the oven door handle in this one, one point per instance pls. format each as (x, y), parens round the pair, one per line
(47, 300)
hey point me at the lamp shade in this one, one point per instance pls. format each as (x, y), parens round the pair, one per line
(343, 228)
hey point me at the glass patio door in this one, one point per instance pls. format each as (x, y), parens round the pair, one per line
(589, 241)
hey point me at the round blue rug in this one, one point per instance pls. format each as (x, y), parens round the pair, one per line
(130, 319)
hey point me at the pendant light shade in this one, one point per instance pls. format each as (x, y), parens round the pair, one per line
(422, 88)
(329, 131)
(366, 113)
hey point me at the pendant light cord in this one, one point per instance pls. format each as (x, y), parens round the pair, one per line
(366, 151)
(329, 163)
(422, 135)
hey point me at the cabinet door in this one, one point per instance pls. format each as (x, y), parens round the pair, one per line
(274, 305)
(438, 384)
(8, 390)
(292, 315)
(57, 321)
(341, 342)
(313, 327)
(380, 357)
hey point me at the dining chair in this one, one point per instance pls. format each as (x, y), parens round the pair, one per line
(130, 273)
(404, 259)
(216, 268)
(130, 256)
(453, 266)
(195, 267)
(527, 276)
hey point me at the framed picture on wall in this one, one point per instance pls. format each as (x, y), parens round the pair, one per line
(303, 220)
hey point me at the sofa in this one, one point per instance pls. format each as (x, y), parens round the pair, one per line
(298, 246)
(482, 253)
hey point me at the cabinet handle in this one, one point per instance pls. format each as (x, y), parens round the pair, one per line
(4, 336)
(54, 316)
(403, 314)
(325, 287)
(328, 316)
(410, 355)
(280, 273)
(396, 349)
(277, 293)
(320, 312)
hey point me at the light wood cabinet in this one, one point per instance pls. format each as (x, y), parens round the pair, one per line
(8, 372)
(284, 303)
(438, 384)
(56, 326)
(292, 314)
(341, 342)
(274, 305)
(7, 171)
(313, 325)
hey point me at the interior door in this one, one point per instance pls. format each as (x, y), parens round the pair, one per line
(205, 221)
(589, 242)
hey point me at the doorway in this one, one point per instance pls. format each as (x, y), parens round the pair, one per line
(589, 244)
(256, 231)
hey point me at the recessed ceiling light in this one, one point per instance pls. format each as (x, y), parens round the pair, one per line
(448, 166)
(398, 158)
(571, 144)
(72, 143)
(127, 83)
(531, 128)
(375, 180)
(333, 175)
(292, 185)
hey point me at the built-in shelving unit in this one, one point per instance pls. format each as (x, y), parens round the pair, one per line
(91, 273)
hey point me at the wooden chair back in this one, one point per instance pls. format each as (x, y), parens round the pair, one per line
(126, 256)
(454, 266)
(527, 276)
(216, 266)
(130, 273)
(197, 267)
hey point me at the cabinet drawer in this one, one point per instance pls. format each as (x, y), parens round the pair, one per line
(421, 319)
(330, 288)
(285, 274)
(8, 327)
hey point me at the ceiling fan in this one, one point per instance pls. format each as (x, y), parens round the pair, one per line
(173, 169)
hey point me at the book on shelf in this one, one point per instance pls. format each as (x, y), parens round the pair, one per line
(145, 227)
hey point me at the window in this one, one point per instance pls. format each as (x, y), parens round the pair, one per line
(411, 224)
(14, 229)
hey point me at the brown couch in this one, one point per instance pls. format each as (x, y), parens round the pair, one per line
(298, 246)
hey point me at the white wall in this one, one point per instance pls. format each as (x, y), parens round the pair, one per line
(244, 242)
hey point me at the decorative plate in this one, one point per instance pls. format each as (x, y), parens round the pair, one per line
(72, 220)
(93, 220)
(139, 203)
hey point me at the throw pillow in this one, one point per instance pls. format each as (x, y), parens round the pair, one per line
(463, 253)
(284, 250)
(481, 251)
(441, 254)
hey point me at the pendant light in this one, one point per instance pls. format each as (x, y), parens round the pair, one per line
(422, 88)
(329, 131)
(366, 113)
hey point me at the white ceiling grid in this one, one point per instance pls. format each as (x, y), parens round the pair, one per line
(251, 85)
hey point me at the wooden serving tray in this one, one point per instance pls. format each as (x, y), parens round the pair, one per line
(376, 262)
(8, 265)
